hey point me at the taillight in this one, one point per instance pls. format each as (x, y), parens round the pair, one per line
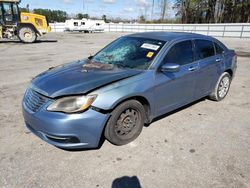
(234, 59)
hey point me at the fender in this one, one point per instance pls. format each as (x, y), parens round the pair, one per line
(112, 95)
(28, 25)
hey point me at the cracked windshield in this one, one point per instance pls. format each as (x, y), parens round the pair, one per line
(129, 52)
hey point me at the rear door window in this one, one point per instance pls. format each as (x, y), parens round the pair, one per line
(204, 49)
(219, 50)
(181, 53)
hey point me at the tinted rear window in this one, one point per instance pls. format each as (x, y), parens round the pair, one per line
(181, 53)
(204, 49)
(219, 50)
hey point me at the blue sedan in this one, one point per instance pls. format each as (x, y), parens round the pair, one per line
(133, 80)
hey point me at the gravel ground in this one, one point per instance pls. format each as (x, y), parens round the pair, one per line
(206, 144)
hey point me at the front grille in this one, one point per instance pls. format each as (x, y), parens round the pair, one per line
(34, 100)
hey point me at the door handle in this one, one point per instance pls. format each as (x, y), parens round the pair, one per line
(218, 60)
(192, 68)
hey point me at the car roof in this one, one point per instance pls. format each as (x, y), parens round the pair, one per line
(169, 36)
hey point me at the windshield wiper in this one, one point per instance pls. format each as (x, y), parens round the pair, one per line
(121, 65)
(90, 57)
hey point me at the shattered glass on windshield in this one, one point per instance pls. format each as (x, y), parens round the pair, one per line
(129, 52)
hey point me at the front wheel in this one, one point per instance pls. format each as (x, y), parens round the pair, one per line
(27, 34)
(126, 123)
(221, 88)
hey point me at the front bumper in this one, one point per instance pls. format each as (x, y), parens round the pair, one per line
(68, 131)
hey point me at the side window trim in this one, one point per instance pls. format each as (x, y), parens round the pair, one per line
(195, 51)
(215, 51)
(195, 58)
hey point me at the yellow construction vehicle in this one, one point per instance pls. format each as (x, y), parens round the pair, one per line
(26, 26)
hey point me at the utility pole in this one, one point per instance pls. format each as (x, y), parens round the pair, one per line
(164, 7)
(28, 7)
(83, 7)
(152, 11)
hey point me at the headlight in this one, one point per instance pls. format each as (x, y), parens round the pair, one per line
(72, 104)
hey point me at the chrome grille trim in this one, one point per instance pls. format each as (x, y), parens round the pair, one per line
(33, 100)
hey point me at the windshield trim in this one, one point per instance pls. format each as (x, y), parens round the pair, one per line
(158, 56)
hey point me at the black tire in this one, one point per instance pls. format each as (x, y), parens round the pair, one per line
(27, 34)
(126, 123)
(216, 95)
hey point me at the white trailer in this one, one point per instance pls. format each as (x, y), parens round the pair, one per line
(85, 25)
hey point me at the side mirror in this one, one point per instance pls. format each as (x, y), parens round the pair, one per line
(170, 67)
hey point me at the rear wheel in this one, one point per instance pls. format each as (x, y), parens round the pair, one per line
(126, 123)
(27, 34)
(221, 88)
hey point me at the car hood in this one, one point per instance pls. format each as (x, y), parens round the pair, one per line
(77, 78)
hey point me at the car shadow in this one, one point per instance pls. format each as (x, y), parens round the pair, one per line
(19, 42)
(126, 182)
(175, 111)
(243, 54)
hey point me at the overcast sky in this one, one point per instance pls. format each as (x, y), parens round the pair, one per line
(112, 8)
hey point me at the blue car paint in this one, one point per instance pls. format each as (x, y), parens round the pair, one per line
(86, 127)
(163, 91)
(74, 79)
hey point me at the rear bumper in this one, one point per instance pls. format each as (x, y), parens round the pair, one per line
(68, 131)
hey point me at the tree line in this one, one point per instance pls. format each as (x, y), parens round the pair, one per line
(213, 11)
(51, 15)
(59, 15)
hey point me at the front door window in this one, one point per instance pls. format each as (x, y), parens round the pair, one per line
(181, 53)
(8, 14)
